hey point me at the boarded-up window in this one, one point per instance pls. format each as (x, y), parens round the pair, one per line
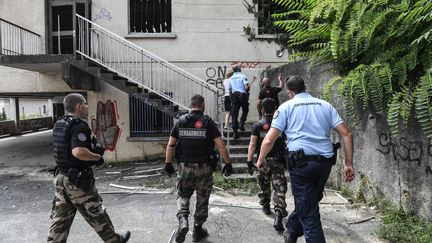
(150, 16)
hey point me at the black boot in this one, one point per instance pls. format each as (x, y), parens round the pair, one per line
(278, 221)
(266, 209)
(182, 229)
(125, 236)
(199, 233)
(288, 238)
(235, 134)
(242, 127)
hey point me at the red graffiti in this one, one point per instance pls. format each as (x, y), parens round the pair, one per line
(246, 64)
(104, 125)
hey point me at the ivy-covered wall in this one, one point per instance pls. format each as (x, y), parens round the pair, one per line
(398, 169)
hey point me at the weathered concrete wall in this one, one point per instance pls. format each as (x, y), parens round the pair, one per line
(113, 128)
(14, 80)
(397, 169)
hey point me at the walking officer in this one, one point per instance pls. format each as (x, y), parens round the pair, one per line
(74, 183)
(239, 87)
(274, 171)
(307, 123)
(193, 139)
(268, 91)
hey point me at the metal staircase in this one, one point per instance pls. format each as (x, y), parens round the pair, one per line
(131, 65)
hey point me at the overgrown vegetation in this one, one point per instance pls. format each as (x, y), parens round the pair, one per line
(399, 226)
(379, 49)
(3, 116)
(236, 186)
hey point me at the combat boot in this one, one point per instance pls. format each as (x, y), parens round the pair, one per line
(242, 128)
(125, 237)
(266, 209)
(199, 233)
(182, 229)
(288, 238)
(235, 134)
(278, 221)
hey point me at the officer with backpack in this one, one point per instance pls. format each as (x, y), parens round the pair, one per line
(192, 140)
(273, 175)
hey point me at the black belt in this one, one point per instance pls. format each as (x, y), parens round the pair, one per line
(65, 170)
(318, 158)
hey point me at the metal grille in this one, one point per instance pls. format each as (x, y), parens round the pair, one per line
(146, 120)
(150, 16)
(15, 40)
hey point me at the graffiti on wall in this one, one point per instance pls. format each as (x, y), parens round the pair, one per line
(104, 124)
(405, 149)
(216, 75)
(102, 14)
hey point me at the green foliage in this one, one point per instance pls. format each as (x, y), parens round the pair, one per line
(236, 186)
(379, 49)
(399, 226)
(3, 115)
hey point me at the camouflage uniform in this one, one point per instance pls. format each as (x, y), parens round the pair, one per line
(274, 172)
(198, 177)
(69, 198)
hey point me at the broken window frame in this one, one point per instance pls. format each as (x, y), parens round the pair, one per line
(159, 12)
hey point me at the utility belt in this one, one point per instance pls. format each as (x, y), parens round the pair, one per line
(82, 178)
(238, 94)
(211, 161)
(297, 158)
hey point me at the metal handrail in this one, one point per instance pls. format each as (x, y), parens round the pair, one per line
(16, 40)
(143, 67)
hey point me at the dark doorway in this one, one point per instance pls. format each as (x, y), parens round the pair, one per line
(58, 111)
(62, 23)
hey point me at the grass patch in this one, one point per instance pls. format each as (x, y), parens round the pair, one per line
(399, 226)
(236, 186)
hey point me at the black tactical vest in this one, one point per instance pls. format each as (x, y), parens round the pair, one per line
(279, 146)
(61, 143)
(194, 144)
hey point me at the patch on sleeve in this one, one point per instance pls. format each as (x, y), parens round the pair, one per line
(82, 137)
(276, 114)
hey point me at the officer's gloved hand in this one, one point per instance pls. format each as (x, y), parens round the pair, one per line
(169, 168)
(100, 161)
(251, 167)
(227, 170)
(100, 149)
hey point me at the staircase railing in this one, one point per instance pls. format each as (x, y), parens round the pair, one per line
(16, 40)
(143, 67)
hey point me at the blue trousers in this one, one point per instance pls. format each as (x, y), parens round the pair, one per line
(239, 101)
(307, 186)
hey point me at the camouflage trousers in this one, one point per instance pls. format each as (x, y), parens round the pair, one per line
(274, 174)
(68, 199)
(198, 178)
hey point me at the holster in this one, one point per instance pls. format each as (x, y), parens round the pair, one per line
(336, 146)
(81, 178)
(295, 159)
(214, 159)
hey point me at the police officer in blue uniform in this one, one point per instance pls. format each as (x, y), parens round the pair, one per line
(239, 87)
(75, 152)
(307, 123)
(193, 139)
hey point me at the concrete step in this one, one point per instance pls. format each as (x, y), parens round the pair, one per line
(239, 158)
(238, 149)
(239, 141)
(230, 132)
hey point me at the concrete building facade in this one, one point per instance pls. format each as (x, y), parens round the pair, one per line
(203, 37)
